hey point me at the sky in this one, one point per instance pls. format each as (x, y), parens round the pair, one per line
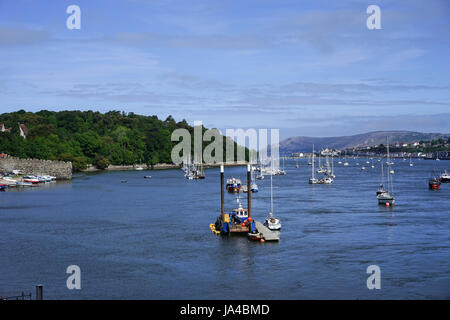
(308, 68)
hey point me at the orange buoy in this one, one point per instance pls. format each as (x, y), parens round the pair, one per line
(262, 240)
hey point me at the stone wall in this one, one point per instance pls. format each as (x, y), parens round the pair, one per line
(60, 169)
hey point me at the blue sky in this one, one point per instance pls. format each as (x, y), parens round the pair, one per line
(306, 67)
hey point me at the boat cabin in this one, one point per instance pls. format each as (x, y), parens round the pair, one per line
(240, 214)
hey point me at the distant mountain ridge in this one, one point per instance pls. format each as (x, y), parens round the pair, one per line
(304, 144)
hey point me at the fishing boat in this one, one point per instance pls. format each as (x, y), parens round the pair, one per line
(233, 185)
(313, 179)
(239, 220)
(271, 221)
(444, 177)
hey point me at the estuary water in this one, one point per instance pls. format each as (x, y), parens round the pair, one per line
(149, 238)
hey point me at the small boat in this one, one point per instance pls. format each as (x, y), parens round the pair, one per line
(434, 184)
(312, 179)
(2, 187)
(444, 177)
(41, 179)
(255, 236)
(123, 181)
(363, 168)
(10, 182)
(272, 223)
(233, 185)
(386, 198)
(147, 177)
(139, 169)
(326, 180)
(31, 179)
(24, 184)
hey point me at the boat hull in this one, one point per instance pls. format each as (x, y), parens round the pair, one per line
(233, 189)
(434, 185)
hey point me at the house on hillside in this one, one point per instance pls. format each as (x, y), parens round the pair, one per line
(3, 128)
(23, 130)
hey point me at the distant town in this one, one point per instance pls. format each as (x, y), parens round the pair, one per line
(434, 149)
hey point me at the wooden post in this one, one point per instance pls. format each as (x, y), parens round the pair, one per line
(222, 205)
(39, 293)
(249, 196)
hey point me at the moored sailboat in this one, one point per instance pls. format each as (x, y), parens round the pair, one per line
(387, 197)
(271, 221)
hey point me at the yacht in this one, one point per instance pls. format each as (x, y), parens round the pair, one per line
(272, 222)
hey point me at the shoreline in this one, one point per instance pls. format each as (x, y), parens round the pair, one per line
(159, 166)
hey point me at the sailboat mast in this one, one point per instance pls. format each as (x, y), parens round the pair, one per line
(313, 160)
(271, 196)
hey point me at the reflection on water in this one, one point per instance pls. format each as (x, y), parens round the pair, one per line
(150, 237)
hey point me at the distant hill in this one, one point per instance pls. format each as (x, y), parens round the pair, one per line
(304, 144)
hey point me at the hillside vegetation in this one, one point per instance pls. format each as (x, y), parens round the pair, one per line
(88, 137)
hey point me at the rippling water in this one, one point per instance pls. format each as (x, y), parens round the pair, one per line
(149, 238)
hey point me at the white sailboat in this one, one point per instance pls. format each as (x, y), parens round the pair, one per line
(313, 179)
(271, 221)
(345, 159)
(321, 169)
(387, 197)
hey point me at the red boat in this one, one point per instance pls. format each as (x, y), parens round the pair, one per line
(233, 185)
(2, 187)
(434, 184)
